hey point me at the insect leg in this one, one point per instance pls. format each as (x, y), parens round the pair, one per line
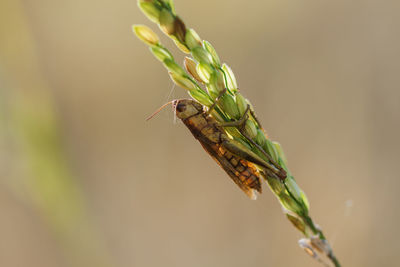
(282, 173)
(216, 101)
(239, 123)
(253, 114)
(278, 170)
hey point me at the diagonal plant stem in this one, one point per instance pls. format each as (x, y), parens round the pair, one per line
(213, 84)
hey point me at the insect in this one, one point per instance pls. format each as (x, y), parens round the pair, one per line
(238, 161)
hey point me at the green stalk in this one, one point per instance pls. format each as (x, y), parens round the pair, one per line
(214, 84)
(38, 172)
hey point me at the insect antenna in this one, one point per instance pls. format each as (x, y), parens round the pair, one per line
(158, 110)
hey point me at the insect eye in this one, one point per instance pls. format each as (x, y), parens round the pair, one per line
(181, 107)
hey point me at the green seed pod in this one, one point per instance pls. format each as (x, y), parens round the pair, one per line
(250, 129)
(161, 53)
(201, 55)
(145, 34)
(279, 149)
(297, 222)
(183, 81)
(216, 83)
(204, 70)
(192, 39)
(241, 103)
(276, 186)
(181, 46)
(213, 53)
(167, 22)
(293, 188)
(173, 67)
(201, 96)
(260, 138)
(179, 30)
(150, 10)
(190, 66)
(270, 148)
(229, 106)
(232, 85)
(290, 204)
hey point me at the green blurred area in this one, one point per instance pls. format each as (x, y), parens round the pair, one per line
(85, 181)
(36, 170)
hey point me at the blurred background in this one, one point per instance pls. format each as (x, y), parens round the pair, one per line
(86, 181)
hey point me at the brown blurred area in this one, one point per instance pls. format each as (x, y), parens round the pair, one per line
(323, 77)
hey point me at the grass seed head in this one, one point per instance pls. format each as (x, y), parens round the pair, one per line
(229, 106)
(173, 67)
(145, 34)
(297, 222)
(201, 97)
(232, 84)
(251, 129)
(212, 52)
(167, 21)
(201, 55)
(161, 53)
(216, 83)
(192, 39)
(204, 70)
(241, 103)
(190, 66)
(182, 81)
(150, 10)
